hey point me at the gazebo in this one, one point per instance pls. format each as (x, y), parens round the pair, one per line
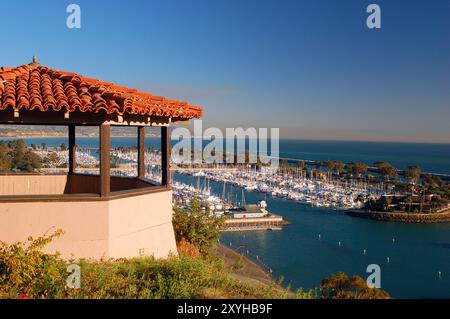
(102, 216)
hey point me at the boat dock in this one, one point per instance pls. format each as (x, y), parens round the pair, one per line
(271, 222)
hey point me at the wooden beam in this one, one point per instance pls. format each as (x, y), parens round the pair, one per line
(105, 160)
(141, 152)
(165, 155)
(37, 117)
(72, 149)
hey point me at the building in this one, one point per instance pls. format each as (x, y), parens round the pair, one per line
(250, 211)
(102, 216)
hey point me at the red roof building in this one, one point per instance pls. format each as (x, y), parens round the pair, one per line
(103, 216)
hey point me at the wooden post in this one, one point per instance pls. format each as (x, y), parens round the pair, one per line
(72, 149)
(165, 155)
(141, 152)
(105, 160)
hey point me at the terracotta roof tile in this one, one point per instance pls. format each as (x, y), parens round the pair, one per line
(38, 87)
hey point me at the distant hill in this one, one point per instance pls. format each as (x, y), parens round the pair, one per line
(55, 131)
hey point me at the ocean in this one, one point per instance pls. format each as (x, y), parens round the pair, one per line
(410, 256)
(433, 158)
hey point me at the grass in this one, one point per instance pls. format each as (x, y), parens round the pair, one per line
(27, 272)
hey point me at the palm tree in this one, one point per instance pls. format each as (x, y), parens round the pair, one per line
(409, 201)
(339, 167)
(359, 168)
(329, 165)
(387, 202)
(413, 174)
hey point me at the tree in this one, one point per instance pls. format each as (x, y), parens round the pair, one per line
(283, 162)
(409, 200)
(196, 226)
(301, 165)
(15, 156)
(413, 174)
(358, 168)
(329, 165)
(339, 167)
(339, 286)
(5, 159)
(387, 171)
(32, 162)
(386, 201)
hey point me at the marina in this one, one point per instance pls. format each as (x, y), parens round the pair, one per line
(296, 186)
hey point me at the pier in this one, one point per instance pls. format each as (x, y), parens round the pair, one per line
(271, 222)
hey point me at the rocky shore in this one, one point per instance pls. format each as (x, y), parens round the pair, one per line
(441, 217)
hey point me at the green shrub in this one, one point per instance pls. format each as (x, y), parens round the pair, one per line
(26, 270)
(196, 226)
(339, 286)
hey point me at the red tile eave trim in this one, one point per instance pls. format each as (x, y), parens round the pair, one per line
(38, 87)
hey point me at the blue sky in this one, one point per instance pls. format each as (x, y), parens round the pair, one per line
(311, 68)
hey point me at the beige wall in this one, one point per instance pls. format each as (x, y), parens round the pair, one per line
(150, 231)
(118, 228)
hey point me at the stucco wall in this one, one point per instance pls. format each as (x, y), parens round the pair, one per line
(85, 225)
(142, 224)
(117, 228)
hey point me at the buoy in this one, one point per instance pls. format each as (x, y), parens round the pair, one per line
(364, 251)
(320, 236)
(387, 259)
(393, 240)
(340, 244)
(439, 275)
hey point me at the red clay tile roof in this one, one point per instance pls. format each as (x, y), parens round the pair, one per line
(33, 87)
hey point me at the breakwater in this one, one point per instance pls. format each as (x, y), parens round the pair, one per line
(443, 217)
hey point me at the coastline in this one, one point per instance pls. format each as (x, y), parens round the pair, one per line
(433, 218)
(250, 272)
